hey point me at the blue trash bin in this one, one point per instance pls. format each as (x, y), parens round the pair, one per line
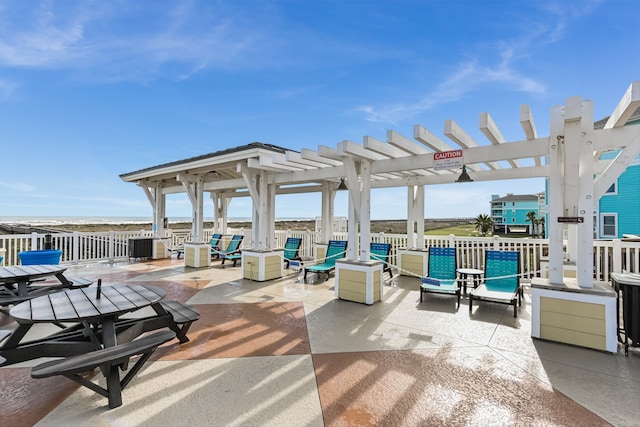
(46, 256)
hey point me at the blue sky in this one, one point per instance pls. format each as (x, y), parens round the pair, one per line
(93, 89)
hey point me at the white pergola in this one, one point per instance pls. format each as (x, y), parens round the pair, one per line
(567, 157)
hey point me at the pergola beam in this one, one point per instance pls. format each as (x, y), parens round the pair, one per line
(402, 142)
(330, 153)
(528, 126)
(450, 177)
(455, 133)
(294, 157)
(629, 103)
(351, 148)
(308, 154)
(493, 134)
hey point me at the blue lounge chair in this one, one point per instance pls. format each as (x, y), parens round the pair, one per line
(232, 252)
(292, 250)
(335, 249)
(215, 241)
(441, 275)
(381, 252)
(501, 280)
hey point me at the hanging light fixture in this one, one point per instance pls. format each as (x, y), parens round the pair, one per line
(343, 185)
(464, 176)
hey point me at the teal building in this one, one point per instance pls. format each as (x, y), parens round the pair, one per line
(618, 212)
(510, 213)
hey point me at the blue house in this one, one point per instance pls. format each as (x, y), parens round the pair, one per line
(618, 211)
(509, 213)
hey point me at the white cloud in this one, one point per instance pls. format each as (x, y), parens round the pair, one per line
(478, 70)
(172, 42)
(17, 186)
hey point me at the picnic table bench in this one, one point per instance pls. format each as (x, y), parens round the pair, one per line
(110, 360)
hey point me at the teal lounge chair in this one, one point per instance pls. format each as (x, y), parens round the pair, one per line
(232, 252)
(215, 241)
(501, 280)
(292, 250)
(441, 275)
(335, 249)
(381, 252)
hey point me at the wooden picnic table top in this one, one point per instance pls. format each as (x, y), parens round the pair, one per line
(20, 273)
(84, 305)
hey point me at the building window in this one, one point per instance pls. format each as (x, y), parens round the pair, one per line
(612, 190)
(513, 220)
(609, 225)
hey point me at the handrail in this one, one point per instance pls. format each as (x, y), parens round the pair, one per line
(79, 247)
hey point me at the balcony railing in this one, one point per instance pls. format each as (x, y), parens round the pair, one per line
(79, 247)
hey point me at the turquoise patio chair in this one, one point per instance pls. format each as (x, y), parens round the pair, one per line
(215, 241)
(232, 252)
(292, 250)
(441, 274)
(335, 249)
(501, 280)
(381, 252)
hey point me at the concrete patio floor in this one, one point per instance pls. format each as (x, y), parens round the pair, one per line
(285, 353)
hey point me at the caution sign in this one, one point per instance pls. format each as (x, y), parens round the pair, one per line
(447, 160)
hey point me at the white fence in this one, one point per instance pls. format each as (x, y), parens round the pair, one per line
(78, 247)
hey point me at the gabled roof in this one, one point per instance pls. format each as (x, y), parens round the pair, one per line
(211, 156)
(517, 198)
(634, 119)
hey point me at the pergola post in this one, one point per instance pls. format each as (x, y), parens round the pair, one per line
(415, 216)
(220, 208)
(197, 253)
(561, 304)
(262, 261)
(354, 184)
(158, 202)
(365, 209)
(357, 278)
(328, 203)
(571, 190)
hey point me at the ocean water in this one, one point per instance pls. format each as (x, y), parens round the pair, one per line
(57, 220)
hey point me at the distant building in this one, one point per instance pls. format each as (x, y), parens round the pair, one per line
(509, 213)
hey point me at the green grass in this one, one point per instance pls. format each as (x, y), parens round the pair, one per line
(458, 230)
(466, 230)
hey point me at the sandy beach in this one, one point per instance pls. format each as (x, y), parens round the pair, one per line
(387, 226)
(396, 226)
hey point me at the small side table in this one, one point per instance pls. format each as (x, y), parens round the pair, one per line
(470, 273)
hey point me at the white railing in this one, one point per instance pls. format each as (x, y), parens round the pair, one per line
(77, 247)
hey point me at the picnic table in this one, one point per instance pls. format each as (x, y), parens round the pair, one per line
(98, 336)
(19, 283)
